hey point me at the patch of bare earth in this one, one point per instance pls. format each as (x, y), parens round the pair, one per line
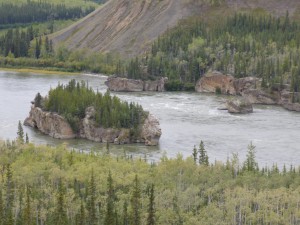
(130, 26)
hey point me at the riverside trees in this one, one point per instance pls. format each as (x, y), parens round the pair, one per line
(92, 187)
(73, 99)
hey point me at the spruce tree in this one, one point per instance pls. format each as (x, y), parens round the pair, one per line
(109, 217)
(151, 209)
(20, 133)
(250, 164)
(60, 215)
(125, 214)
(27, 217)
(203, 158)
(195, 154)
(136, 202)
(91, 201)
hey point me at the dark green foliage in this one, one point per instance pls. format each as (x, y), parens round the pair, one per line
(38, 12)
(27, 216)
(60, 216)
(218, 91)
(91, 202)
(125, 214)
(20, 133)
(195, 154)
(110, 218)
(250, 163)
(136, 202)
(203, 157)
(151, 207)
(71, 101)
(242, 45)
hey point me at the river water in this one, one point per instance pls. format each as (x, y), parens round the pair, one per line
(185, 119)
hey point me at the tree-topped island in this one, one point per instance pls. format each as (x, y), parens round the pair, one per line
(75, 110)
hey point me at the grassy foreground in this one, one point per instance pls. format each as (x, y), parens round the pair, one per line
(57, 186)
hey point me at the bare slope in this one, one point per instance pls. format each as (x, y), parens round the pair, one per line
(129, 26)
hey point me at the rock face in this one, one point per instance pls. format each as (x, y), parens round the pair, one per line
(256, 96)
(123, 84)
(129, 85)
(56, 126)
(246, 83)
(49, 123)
(213, 81)
(151, 131)
(239, 106)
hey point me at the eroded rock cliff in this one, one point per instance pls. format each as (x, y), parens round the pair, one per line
(57, 126)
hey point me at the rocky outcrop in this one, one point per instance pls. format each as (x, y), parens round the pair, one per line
(151, 131)
(124, 84)
(49, 123)
(246, 83)
(292, 106)
(239, 105)
(119, 84)
(56, 126)
(213, 82)
(257, 96)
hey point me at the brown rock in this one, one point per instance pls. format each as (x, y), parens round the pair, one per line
(212, 81)
(292, 106)
(239, 105)
(246, 83)
(129, 85)
(49, 123)
(151, 131)
(256, 96)
(123, 84)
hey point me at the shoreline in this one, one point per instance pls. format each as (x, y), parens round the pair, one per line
(38, 71)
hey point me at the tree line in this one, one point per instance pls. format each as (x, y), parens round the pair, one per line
(72, 100)
(243, 45)
(18, 43)
(33, 11)
(62, 186)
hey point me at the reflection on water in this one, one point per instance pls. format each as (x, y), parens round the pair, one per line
(185, 118)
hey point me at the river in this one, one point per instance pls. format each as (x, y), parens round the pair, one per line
(185, 119)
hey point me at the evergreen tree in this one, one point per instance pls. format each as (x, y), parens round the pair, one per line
(27, 139)
(195, 154)
(250, 164)
(91, 201)
(125, 214)
(27, 217)
(20, 133)
(110, 208)
(203, 157)
(151, 208)
(136, 202)
(60, 216)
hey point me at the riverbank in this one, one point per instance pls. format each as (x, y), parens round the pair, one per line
(38, 71)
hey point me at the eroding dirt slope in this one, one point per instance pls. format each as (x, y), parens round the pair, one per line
(130, 26)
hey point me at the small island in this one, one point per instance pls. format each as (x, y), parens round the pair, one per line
(75, 110)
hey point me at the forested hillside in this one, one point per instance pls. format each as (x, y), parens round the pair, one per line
(67, 187)
(242, 45)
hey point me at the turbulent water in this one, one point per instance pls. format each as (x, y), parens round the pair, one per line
(185, 118)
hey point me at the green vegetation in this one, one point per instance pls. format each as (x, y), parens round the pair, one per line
(67, 187)
(242, 45)
(39, 12)
(73, 99)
